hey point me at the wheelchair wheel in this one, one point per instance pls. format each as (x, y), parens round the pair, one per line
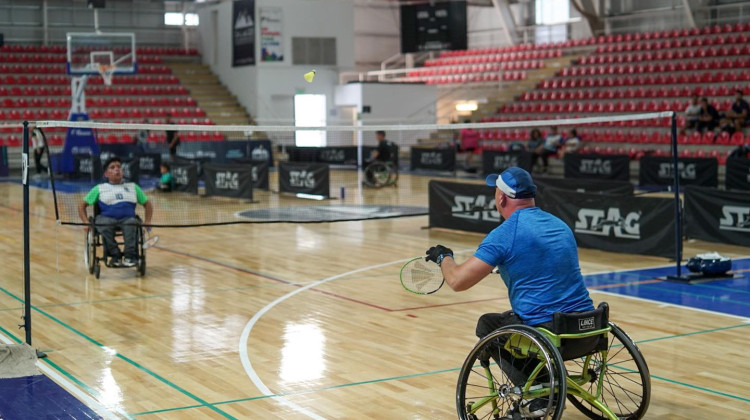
(97, 270)
(141, 253)
(89, 255)
(626, 387)
(528, 381)
(377, 174)
(392, 175)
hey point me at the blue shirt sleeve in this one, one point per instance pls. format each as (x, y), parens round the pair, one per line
(494, 248)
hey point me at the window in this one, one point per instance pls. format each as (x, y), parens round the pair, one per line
(176, 19)
(552, 17)
(310, 111)
(315, 51)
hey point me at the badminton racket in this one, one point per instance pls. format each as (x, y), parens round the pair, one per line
(421, 276)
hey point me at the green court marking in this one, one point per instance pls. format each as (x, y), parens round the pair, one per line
(128, 360)
(437, 372)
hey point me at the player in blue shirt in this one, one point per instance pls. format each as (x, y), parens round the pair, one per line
(117, 201)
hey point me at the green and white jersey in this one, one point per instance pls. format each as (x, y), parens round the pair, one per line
(116, 201)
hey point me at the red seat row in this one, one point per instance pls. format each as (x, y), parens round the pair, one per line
(648, 79)
(494, 58)
(664, 44)
(657, 67)
(477, 68)
(629, 93)
(109, 113)
(666, 55)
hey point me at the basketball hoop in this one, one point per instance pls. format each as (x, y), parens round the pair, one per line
(107, 72)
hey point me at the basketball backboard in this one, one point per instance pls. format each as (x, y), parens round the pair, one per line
(98, 52)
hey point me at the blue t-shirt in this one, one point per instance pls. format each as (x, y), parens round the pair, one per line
(537, 257)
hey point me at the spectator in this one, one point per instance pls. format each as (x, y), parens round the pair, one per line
(708, 118)
(737, 114)
(38, 150)
(173, 139)
(141, 139)
(551, 144)
(536, 143)
(166, 182)
(692, 113)
(572, 143)
(469, 143)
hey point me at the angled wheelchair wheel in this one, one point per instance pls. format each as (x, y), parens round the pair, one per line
(513, 373)
(377, 174)
(141, 267)
(626, 385)
(89, 254)
(392, 174)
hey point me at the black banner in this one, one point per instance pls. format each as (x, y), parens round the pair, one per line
(87, 166)
(4, 168)
(593, 166)
(259, 171)
(120, 150)
(593, 186)
(494, 162)
(150, 164)
(185, 177)
(693, 171)
(229, 180)
(469, 207)
(718, 216)
(633, 225)
(130, 170)
(216, 151)
(738, 174)
(334, 155)
(433, 159)
(306, 178)
(243, 33)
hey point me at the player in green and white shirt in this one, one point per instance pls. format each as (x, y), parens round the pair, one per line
(117, 201)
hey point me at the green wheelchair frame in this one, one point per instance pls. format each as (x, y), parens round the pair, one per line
(592, 386)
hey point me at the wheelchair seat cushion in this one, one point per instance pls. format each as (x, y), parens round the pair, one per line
(579, 323)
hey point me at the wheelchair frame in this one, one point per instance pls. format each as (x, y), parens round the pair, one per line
(589, 387)
(94, 241)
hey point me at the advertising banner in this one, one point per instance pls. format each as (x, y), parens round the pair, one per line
(228, 180)
(306, 178)
(494, 162)
(243, 33)
(469, 207)
(593, 166)
(433, 159)
(271, 34)
(718, 216)
(657, 171)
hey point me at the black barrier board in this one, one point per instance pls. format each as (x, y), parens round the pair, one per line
(469, 207)
(120, 150)
(718, 216)
(433, 159)
(215, 151)
(334, 155)
(150, 164)
(229, 180)
(305, 178)
(632, 225)
(657, 170)
(4, 168)
(261, 150)
(494, 162)
(586, 185)
(738, 174)
(198, 162)
(130, 170)
(185, 177)
(595, 166)
(87, 166)
(260, 172)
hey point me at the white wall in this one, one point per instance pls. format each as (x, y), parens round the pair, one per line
(261, 88)
(391, 104)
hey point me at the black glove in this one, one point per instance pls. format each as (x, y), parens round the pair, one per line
(437, 253)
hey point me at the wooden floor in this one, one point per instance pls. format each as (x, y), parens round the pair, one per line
(310, 321)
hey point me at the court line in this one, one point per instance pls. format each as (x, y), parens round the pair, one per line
(124, 358)
(244, 357)
(436, 372)
(8, 338)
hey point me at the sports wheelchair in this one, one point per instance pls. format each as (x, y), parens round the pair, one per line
(520, 372)
(381, 174)
(94, 240)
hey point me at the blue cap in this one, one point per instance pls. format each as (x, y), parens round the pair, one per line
(514, 182)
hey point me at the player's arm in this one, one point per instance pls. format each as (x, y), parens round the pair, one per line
(82, 211)
(149, 211)
(143, 200)
(88, 200)
(465, 275)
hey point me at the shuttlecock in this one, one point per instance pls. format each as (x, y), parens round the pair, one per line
(309, 76)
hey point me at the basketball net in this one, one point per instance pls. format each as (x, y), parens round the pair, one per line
(107, 72)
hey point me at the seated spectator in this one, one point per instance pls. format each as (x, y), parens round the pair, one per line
(737, 114)
(551, 144)
(742, 152)
(571, 144)
(536, 143)
(692, 112)
(708, 117)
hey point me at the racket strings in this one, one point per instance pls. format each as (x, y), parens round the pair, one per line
(422, 277)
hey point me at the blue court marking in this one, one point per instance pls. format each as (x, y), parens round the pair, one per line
(39, 397)
(730, 296)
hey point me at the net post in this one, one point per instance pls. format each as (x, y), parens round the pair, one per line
(677, 205)
(26, 241)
